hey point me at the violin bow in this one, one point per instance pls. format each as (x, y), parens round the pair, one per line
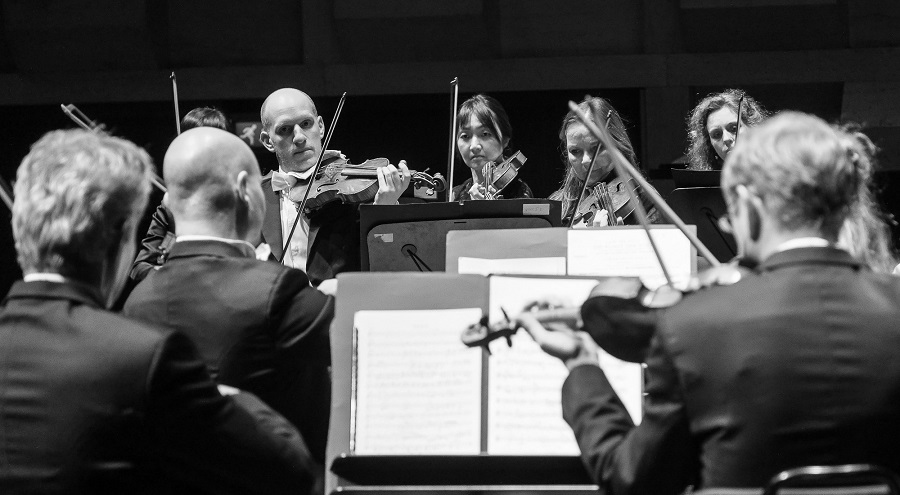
(175, 98)
(451, 152)
(738, 129)
(588, 176)
(625, 169)
(6, 194)
(87, 124)
(312, 178)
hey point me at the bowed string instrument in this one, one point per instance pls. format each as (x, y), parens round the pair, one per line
(620, 311)
(340, 181)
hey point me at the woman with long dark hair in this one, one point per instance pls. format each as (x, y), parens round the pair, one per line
(483, 135)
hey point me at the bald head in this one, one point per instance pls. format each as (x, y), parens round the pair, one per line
(281, 100)
(292, 129)
(212, 176)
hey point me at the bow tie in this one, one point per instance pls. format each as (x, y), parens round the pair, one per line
(281, 181)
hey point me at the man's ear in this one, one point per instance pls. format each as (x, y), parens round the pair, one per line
(266, 140)
(321, 127)
(240, 186)
(755, 216)
(242, 204)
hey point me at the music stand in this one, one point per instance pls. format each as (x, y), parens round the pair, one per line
(703, 206)
(414, 237)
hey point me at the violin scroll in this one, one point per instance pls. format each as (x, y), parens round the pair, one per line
(559, 318)
(481, 334)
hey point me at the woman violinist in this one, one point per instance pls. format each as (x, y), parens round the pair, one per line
(483, 132)
(580, 193)
(713, 126)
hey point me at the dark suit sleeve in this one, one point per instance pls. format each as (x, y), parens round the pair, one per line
(160, 235)
(301, 317)
(657, 456)
(213, 443)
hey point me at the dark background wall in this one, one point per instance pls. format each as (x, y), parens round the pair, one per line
(654, 59)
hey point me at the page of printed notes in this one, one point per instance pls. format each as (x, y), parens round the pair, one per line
(518, 266)
(626, 251)
(524, 383)
(418, 388)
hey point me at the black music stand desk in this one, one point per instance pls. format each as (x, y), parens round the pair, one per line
(413, 237)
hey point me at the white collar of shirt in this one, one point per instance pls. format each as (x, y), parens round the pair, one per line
(306, 174)
(45, 277)
(802, 242)
(242, 245)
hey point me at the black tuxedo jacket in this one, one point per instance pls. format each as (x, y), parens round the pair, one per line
(333, 236)
(795, 365)
(92, 402)
(259, 326)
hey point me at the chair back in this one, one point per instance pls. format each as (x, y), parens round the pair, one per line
(848, 479)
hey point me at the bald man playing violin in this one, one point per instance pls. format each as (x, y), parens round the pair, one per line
(325, 242)
(793, 365)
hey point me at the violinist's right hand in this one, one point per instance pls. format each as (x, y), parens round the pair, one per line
(725, 274)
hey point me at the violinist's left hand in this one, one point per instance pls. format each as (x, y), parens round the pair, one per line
(601, 219)
(392, 181)
(574, 348)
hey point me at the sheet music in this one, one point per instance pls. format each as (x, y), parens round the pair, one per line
(524, 383)
(626, 251)
(418, 388)
(518, 266)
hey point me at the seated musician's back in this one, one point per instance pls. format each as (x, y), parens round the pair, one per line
(796, 364)
(93, 402)
(259, 326)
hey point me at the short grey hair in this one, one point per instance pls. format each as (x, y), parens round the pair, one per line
(806, 171)
(74, 192)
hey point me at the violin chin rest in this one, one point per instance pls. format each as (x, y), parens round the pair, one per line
(623, 327)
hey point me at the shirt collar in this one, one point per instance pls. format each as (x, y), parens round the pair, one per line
(45, 277)
(244, 246)
(802, 242)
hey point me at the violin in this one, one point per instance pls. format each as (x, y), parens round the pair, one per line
(342, 181)
(611, 197)
(502, 175)
(620, 314)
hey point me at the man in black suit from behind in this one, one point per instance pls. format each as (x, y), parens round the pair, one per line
(796, 364)
(260, 326)
(92, 402)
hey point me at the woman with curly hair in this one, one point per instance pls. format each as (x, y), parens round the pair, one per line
(712, 126)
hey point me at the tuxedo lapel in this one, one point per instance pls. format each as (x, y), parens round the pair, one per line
(271, 229)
